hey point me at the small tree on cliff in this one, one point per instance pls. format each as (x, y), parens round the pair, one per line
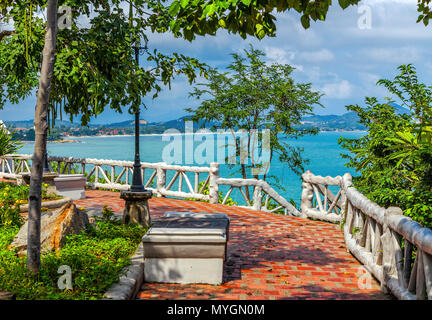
(254, 96)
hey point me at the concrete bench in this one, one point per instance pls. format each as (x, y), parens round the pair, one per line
(71, 185)
(186, 248)
(180, 214)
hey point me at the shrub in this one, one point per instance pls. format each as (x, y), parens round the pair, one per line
(394, 158)
(11, 197)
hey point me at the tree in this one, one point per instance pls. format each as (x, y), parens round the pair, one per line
(81, 72)
(8, 144)
(394, 158)
(255, 96)
(41, 126)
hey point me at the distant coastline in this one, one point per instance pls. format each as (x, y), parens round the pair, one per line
(182, 133)
(55, 141)
(72, 139)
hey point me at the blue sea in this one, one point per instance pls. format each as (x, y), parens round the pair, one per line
(322, 151)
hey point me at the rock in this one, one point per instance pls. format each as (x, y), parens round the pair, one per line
(7, 296)
(55, 226)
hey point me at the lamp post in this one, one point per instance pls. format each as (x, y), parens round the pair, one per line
(46, 165)
(136, 198)
(137, 183)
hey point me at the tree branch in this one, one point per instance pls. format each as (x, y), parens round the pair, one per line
(5, 33)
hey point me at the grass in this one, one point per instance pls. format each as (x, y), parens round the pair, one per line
(96, 257)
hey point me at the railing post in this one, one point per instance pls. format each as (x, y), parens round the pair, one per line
(307, 194)
(160, 180)
(213, 186)
(257, 198)
(96, 176)
(390, 251)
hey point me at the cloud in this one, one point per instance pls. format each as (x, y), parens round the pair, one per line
(402, 55)
(338, 90)
(317, 56)
(279, 55)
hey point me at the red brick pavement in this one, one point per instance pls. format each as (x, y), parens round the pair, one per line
(269, 256)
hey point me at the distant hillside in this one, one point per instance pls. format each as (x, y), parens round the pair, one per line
(124, 124)
(348, 121)
(29, 124)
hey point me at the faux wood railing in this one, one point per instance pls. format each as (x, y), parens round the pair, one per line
(188, 182)
(117, 175)
(327, 208)
(261, 189)
(393, 247)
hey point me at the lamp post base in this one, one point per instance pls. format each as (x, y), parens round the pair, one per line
(136, 207)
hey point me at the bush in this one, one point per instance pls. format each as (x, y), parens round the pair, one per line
(12, 197)
(394, 158)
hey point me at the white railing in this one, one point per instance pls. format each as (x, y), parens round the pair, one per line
(12, 165)
(117, 175)
(328, 208)
(394, 248)
(273, 201)
(163, 179)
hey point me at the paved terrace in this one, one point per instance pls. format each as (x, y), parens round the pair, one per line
(270, 256)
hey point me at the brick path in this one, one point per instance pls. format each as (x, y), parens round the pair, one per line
(269, 256)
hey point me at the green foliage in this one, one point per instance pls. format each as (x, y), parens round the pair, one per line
(11, 197)
(96, 257)
(394, 158)
(188, 18)
(10, 200)
(8, 145)
(423, 7)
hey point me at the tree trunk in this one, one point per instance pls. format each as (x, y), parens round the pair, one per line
(41, 128)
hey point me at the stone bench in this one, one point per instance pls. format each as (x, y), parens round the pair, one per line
(71, 185)
(186, 248)
(180, 214)
(47, 177)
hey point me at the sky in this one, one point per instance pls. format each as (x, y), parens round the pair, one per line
(343, 57)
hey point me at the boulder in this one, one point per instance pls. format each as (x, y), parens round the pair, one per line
(55, 226)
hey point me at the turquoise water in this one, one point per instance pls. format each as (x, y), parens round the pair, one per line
(322, 150)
